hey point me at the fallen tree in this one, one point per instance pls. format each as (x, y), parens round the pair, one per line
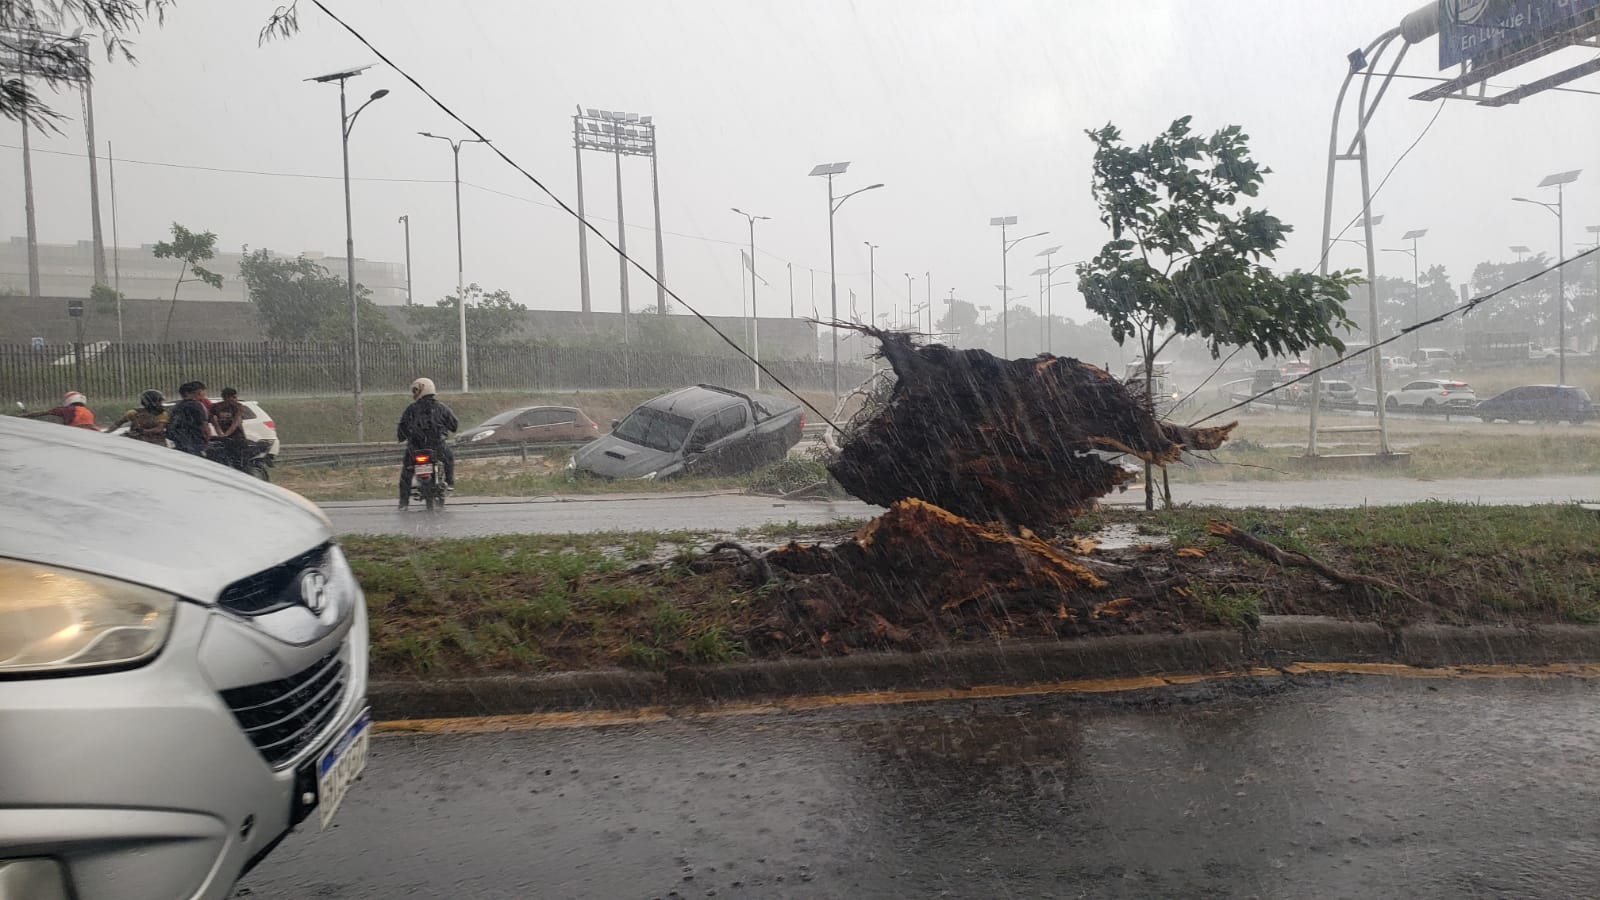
(1023, 442)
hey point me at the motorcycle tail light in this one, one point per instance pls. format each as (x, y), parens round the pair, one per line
(421, 458)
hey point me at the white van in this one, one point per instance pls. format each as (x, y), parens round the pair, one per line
(1432, 359)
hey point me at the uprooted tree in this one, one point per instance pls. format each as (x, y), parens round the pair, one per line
(974, 456)
(1182, 261)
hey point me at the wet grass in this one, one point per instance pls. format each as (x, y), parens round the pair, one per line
(1553, 451)
(1472, 563)
(528, 603)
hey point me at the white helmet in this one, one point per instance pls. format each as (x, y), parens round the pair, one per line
(76, 397)
(422, 387)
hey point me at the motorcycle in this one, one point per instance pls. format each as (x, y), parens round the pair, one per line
(254, 461)
(427, 483)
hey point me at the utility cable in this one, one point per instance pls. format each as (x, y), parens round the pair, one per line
(1463, 309)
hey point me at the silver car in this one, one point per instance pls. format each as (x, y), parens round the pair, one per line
(183, 669)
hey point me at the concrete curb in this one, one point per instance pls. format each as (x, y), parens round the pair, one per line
(1280, 641)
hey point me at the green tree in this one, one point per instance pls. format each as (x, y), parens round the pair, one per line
(299, 300)
(35, 30)
(491, 318)
(192, 248)
(1184, 261)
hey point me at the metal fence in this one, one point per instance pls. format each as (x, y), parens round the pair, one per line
(40, 374)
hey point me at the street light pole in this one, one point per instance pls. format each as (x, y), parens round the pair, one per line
(927, 281)
(406, 221)
(461, 289)
(1005, 284)
(755, 315)
(829, 170)
(346, 124)
(910, 302)
(872, 283)
(1559, 181)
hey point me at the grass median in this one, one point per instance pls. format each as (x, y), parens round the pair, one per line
(538, 603)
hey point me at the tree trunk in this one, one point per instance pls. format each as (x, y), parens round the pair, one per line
(1149, 348)
(166, 336)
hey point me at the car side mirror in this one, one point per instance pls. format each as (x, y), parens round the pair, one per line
(694, 447)
(615, 423)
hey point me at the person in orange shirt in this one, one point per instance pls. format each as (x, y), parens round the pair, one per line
(74, 410)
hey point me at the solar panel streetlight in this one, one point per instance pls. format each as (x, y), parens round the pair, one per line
(347, 122)
(1005, 222)
(1412, 236)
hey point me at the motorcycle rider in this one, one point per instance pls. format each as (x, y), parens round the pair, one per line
(425, 425)
(186, 422)
(148, 423)
(74, 410)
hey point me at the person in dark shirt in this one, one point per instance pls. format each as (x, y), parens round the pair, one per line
(425, 425)
(74, 411)
(186, 422)
(227, 424)
(148, 423)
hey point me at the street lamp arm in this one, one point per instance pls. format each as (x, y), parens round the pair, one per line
(1548, 206)
(350, 123)
(840, 202)
(1015, 241)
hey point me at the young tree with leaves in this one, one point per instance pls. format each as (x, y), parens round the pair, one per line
(490, 318)
(297, 299)
(1183, 260)
(192, 248)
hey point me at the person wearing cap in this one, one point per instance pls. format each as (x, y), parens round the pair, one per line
(186, 422)
(148, 423)
(74, 410)
(426, 425)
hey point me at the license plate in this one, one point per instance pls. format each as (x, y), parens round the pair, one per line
(425, 470)
(341, 765)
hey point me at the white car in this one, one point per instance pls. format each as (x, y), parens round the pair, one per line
(1431, 393)
(170, 713)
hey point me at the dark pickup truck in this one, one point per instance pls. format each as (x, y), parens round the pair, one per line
(700, 430)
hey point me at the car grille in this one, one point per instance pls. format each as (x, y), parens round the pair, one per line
(282, 717)
(274, 588)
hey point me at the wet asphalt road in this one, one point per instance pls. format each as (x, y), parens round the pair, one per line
(1328, 788)
(729, 512)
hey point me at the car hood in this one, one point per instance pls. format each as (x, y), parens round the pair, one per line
(613, 457)
(143, 513)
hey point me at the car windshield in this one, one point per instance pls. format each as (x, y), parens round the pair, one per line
(654, 428)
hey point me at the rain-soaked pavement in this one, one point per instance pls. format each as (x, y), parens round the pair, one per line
(1346, 787)
(467, 517)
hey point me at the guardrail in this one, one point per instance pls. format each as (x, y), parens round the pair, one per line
(380, 453)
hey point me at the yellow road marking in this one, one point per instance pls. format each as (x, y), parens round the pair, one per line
(642, 714)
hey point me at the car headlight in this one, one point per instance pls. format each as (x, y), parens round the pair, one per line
(572, 462)
(481, 435)
(58, 620)
(650, 477)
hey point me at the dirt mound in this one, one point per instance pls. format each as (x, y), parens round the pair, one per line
(920, 577)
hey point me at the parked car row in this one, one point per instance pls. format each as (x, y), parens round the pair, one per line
(1532, 402)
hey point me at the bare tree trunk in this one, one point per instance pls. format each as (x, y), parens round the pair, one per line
(166, 336)
(1149, 348)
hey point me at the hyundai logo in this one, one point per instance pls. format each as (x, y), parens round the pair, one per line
(314, 591)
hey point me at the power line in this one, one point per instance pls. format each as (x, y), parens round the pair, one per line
(570, 211)
(223, 170)
(1463, 309)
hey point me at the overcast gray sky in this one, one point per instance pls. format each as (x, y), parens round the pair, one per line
(966, 110)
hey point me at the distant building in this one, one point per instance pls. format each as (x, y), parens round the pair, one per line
(67, 270)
